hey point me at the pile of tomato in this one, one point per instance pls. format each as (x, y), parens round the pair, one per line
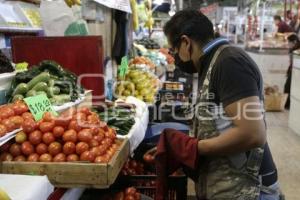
(12, 116)
(74, 135)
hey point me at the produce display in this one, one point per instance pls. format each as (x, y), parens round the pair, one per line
(140, 84)
(12, 116)
(170, 59)
(5, 64)
(75, 135)
(142, 62)
(129, 193)
(148, 43)
(49, 78)
(119, 118)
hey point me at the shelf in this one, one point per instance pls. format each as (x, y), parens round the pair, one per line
(19, 30)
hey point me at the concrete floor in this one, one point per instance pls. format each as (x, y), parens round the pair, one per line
(285, 147)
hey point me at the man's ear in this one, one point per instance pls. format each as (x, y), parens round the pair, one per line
(186, 40)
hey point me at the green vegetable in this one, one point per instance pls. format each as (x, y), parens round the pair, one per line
(18, 97)
(42, 77)
(31, 93)
(41, 92)
(22, 88)
(51, 91)
(41, 86)
(60, 99)
(51, 82)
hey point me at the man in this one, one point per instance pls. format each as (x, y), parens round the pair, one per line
(235, 161)
(281, 25)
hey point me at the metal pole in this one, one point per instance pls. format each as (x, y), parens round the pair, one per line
(262, 26)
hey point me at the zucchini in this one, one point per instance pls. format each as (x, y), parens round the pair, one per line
(17, 97)
(51, 91)
(41, 86)
(42, 77)
(31, 93)
(22, 88)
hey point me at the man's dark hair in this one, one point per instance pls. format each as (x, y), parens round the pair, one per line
(277, 17)
(189, 22)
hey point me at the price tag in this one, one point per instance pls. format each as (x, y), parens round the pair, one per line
(124, 67)
(38, 105)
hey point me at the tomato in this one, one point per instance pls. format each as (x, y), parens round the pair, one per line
(130, 191)
(85, 135)
(68, 113)
(47, 126)
(93, 143)
(111, 133)
(48, 117)
(60, 158)
(33, 157)
(15, 150)
(81, 147)
(133, 164)
(6, 157)
(35, 137)
(3, 130)
(20, 137)
(95, 151)
(69, 148)
(29, 125)
(58, 131)
(6, 112)
(17, 120)
(99, 137)
(107, 141)
(70, 136)
(62, 121)
(27, 115)
(19, 108)
(74, 125)
(84, 110)
(87, 156)
(80, 117)
(27, 148)
(54, 148)
(9, 125)
(72, 158)
(148, 158)
(106, 158)
(102, 149)
(48, 138)
(129, 197)
(41, 148)
(20, 158)
(45, 158)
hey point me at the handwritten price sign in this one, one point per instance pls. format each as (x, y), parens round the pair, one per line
(38, 105)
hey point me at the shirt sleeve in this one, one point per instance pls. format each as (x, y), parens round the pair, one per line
(236, 78)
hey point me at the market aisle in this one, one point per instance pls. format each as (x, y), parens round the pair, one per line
(285, 146)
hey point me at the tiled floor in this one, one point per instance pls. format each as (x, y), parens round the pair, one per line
(285, 147)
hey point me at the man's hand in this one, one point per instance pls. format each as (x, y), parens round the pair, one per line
(248, 130)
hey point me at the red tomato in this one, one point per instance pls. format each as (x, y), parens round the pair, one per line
(95, 151)
(35, 137)
(41, 148)
(95, 130)
(15, 150)
(85, 135)
(74, 125)
(93, 119)
(17, 121)
(27, 148)
(27, 115)
(102, 149)
(45, 158)
(69, 148)
(29, 125)
(33, 157)
(70, 136)
(54, 148)
(130, 191)
(99, 137)
(47, 126)
(85, 110)
(107, 141)
(93, 143)
(48, 138)
(6, 157)
(72, 158)
(62, 121)
(3, 130)
(9, 125)
(19, 108)
(81, 147)
(6, 112)
(87, 156)
(20, 158)
(58, 131)
(111, 133)
(106, 158)
(60, 158)
(21, 137)
(48, 117)
(80, 117)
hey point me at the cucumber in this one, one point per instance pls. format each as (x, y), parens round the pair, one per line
(51, 91)
(51, 82)
(31, 93)
(41, 86)
(22, 88)
(41, 92)
(17, 97)
(42, 77)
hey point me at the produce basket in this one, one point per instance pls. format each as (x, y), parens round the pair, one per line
(77, 174)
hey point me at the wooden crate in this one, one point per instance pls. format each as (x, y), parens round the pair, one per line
(71, 175)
